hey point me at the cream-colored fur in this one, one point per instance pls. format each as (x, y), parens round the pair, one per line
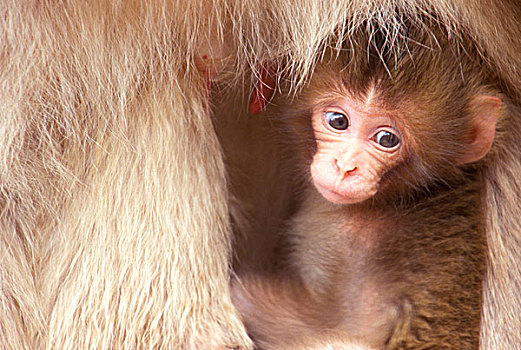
(114, 210)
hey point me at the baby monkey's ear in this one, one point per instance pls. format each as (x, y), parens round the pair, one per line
(483, 119)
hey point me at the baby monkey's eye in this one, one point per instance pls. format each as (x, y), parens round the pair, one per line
(386, 139)
(337, 120)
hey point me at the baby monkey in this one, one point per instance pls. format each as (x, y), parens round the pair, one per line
(387, 249)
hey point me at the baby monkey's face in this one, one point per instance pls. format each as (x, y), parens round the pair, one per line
(356, 145)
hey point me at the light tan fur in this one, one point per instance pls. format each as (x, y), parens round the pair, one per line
(114, 209)
(113, 185)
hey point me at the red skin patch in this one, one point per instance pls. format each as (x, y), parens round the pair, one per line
(263, 90)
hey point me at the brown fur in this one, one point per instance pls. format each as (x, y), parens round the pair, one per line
(417, 249)
(114, 217)
(417, 287)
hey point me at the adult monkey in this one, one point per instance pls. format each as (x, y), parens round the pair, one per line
(114, 220)
(104, 239)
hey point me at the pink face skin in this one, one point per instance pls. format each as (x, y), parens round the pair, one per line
(356, 145)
